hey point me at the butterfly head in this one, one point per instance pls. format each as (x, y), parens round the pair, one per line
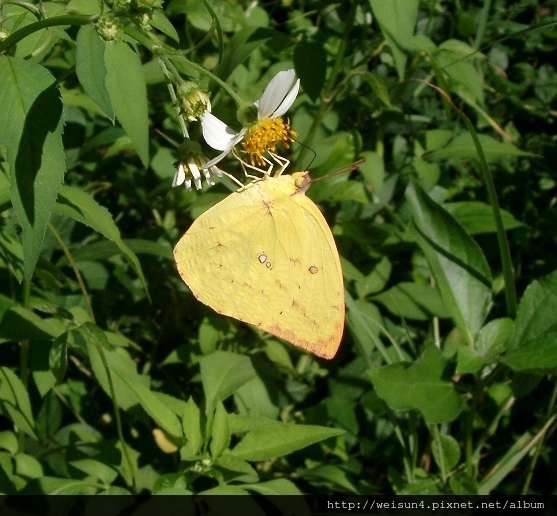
(302, 181)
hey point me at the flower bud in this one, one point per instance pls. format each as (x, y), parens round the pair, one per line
(194, 101)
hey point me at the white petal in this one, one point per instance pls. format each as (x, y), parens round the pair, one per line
(233, 142)
(216, 133)
(288, 101)
(180, 176)
(188, 185)
(194, 169)
(275, 92)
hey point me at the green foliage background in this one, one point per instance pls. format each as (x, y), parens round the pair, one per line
(114, 379)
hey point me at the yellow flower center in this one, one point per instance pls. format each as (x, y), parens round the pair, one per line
(264, 136)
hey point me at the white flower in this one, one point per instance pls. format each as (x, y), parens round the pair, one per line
(191, 170)
(263, 134)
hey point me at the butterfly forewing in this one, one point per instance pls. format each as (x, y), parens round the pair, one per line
(265, 255)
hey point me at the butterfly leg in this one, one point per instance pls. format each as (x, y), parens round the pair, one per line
(230, 176)
(246, 165)
(282, 163)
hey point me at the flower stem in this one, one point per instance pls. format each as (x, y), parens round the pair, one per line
(213, 77)
(22, 33)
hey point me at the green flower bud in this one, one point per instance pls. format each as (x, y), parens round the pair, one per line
(108, 27)
(194, 101)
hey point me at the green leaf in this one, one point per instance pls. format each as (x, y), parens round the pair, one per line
(463, 146)
(241, 46)
(419, 386)
(222, 373)
(8, 441)
(491, 342)
(534, 342)
(59, 486)
(58, 357)
(507, 464)
(161, 22)
(278, 486)
(15, 403)
(272, 441)
(160, 413)
(128, 93)
(20, 323)
(397, 19)
(27, 466)
(446, 452)
(457, 262)
(220, 435)
(331, 476)
(412, 301)
(31, 130)
(90, 67)
(310, 62)
(80, 206)
(477, 217)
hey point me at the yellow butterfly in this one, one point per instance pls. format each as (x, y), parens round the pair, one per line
(266, 256)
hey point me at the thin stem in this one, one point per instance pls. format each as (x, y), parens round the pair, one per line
(539, 446)
(24, 353)
(503, 244)
(116, 408)
(163, 63)
(330, 83)
(26, 5)
(437, 438)
(76, 271)
(207, 73)
(16, 37)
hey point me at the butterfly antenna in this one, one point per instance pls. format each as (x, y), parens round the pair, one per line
(309, 149)
(343, 170)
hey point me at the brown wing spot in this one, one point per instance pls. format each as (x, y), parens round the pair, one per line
(295, 261)
(280, 285)
(313, 269)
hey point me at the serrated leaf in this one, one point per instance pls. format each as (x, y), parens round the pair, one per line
(15, 403)
(77, 204)
(278, 440)
(90, 67)
(457, 262)
(534, 342)
(31, 131)
(128, 94)
(419, 386)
